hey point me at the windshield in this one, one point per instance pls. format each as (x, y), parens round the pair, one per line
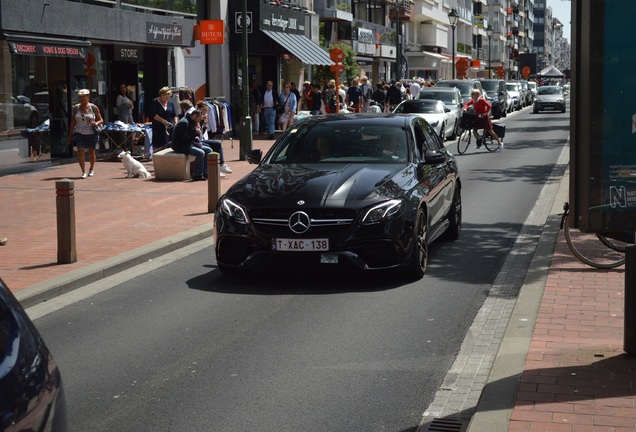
(449, 98)
(490, 86)
(419, 107)
(549, 90)
(349, 142)
(464, 88)
(512, 87)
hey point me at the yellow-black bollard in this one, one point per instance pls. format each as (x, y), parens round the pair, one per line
(65, 206)
(214, 183)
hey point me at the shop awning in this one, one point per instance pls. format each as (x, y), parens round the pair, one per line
(425, 60)
(302, 47)
(46, 46)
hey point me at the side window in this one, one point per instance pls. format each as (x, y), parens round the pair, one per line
(429, 138)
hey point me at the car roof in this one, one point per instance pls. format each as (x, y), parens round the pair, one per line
(385, 119)
(443, 89)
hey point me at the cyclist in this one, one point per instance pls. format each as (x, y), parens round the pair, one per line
(482, 108)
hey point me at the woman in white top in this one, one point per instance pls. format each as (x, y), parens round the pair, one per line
(85, 121)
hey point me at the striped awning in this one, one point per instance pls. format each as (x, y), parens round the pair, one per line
(306, 50)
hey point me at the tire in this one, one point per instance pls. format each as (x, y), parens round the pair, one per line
(455, 131)
(490, 143)
(419, 252)
(505, 112)
(617, 243)
(464, 141)
(589, 250)
(454, 216)
(535, 111)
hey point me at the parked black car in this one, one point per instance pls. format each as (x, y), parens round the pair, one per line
(343, 191)
(497, 95)
(31, 392)
(465, 87)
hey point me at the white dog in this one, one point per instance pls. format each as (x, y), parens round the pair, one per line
(134, 168)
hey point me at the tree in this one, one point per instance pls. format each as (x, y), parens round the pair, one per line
(351, 68)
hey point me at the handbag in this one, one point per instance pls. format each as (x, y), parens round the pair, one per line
(280, 109)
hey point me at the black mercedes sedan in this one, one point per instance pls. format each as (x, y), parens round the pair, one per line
(31, 392)
(342, 191)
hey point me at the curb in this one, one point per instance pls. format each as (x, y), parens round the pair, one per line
(57, 286)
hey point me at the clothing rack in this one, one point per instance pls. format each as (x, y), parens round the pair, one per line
(226, 132)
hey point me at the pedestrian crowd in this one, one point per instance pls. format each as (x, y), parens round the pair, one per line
(271, 110)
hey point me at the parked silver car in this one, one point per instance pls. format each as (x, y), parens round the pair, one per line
(451, 97)
(514, 91)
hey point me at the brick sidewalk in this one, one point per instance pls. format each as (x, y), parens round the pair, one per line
(576, 376)
(113, 214)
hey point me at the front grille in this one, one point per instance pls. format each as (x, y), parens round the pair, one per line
(324, 221)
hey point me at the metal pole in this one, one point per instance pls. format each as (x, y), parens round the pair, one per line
(489, 50)
(453, 61)
(629, 319)
(246, 122)
(397, 30)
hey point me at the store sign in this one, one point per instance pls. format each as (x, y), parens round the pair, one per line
(282, 20)
(164, 33)
(130, 54)
(212, 32)
(49, 50)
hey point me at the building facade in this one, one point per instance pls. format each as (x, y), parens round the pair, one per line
(51, 49)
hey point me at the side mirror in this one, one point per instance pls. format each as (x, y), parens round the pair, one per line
(434, 157)
(447, 109)
(254, 156)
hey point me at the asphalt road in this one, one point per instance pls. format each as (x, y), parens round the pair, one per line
(174, 345)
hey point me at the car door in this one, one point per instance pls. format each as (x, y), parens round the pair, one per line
(435, 183)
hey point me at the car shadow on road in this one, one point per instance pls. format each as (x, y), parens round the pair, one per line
(270, 282)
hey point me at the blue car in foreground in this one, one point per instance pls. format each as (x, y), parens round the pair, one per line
(31, 392)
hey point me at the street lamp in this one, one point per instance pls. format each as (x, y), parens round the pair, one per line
(398, 63)
(245, 133)
(453, 17)
(489, 32)
(510, 45)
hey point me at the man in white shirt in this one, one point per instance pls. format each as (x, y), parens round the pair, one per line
(367, 90)
(269, 103)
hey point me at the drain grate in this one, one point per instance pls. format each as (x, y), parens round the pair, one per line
(447, 425)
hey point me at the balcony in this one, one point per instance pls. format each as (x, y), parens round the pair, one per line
(333, 10)
(404, 7)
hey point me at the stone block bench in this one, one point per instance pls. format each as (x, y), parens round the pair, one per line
(171, 166)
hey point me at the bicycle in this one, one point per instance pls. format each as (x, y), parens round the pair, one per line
(606, 254)
(467, 124)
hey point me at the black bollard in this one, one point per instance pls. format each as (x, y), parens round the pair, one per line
(214, 180)
(629, 344)
(65, 206)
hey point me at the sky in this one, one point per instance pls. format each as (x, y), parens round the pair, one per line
(561, 10)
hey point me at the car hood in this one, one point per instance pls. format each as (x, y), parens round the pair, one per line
(320, 185)
(549, 98)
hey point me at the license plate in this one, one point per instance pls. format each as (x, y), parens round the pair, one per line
(300, 245)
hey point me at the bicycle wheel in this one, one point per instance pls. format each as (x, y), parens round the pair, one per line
(464, 141)
(490, 143)
(589, 250)
(616, 241)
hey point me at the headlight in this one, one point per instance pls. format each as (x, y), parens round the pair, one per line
(434, 123)
(382, 212)
(233, 211)
(560, 100)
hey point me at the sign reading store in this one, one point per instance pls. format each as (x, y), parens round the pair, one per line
(280, 19)
(132, 54)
